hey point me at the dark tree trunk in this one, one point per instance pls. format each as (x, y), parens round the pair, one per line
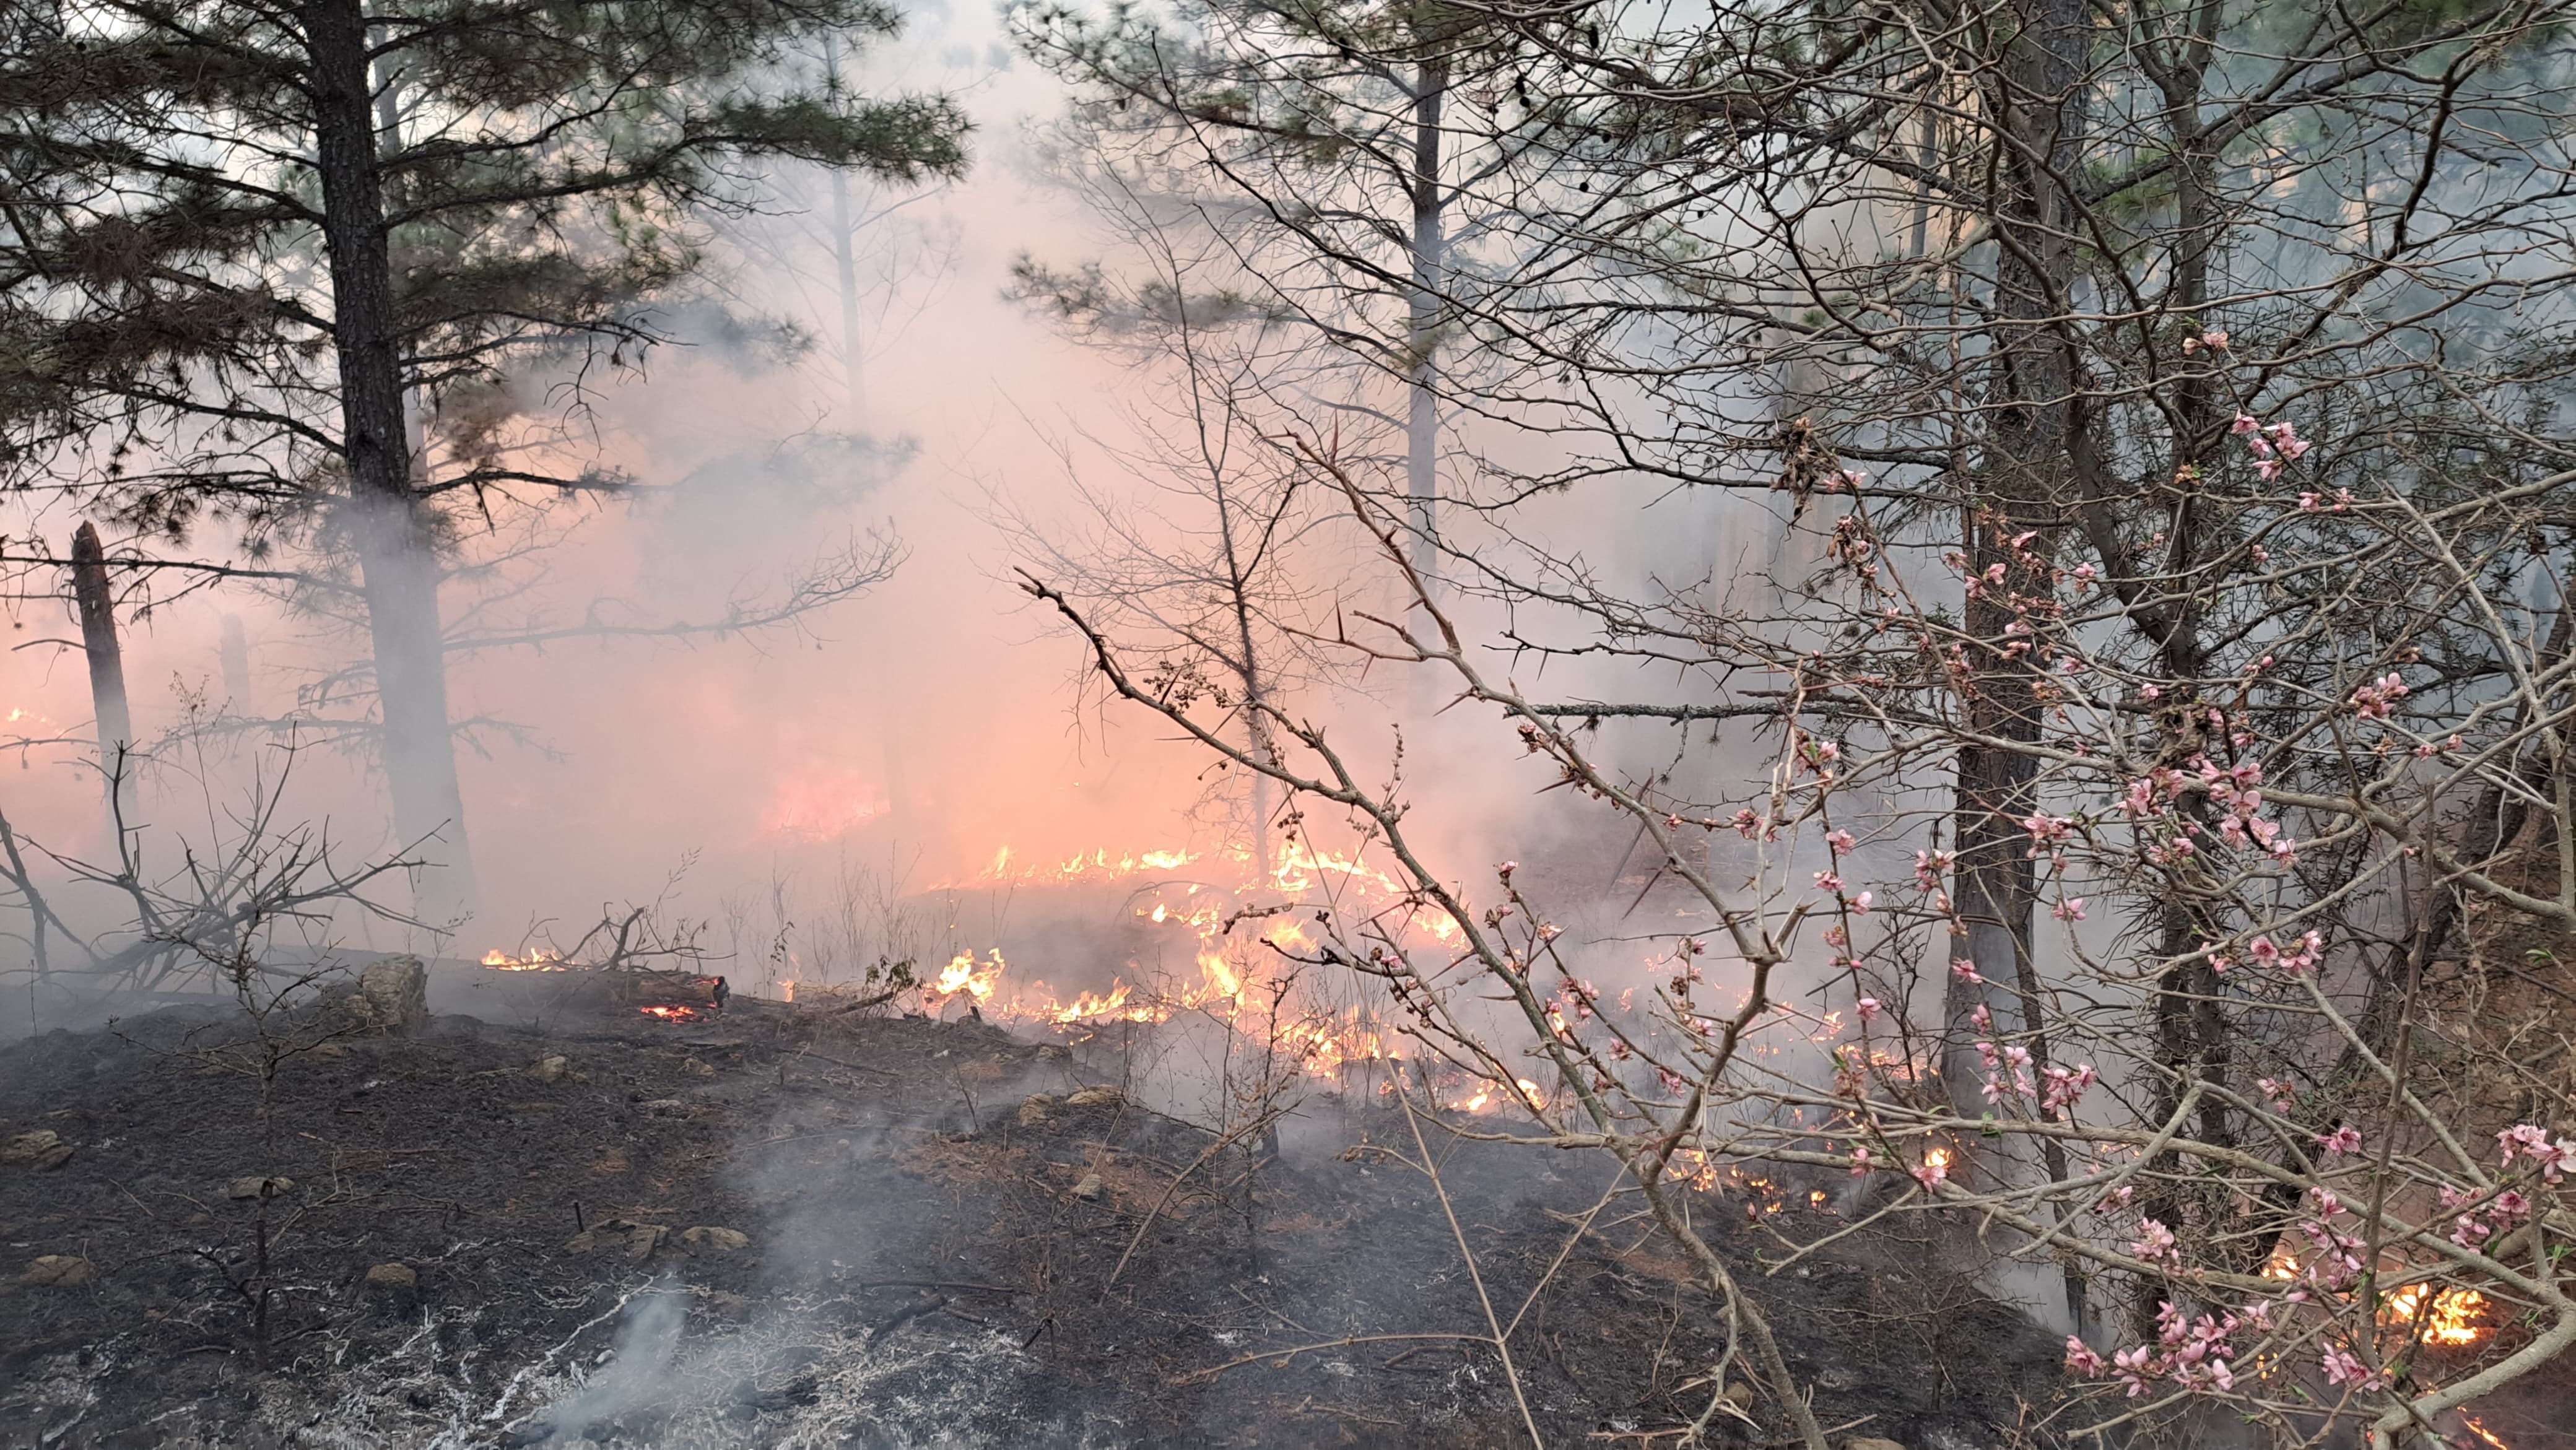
(389, 521)
(1429, 247)
(2035, 432)
(106, 675)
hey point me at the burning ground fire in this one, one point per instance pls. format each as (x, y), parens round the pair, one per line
(1233, 977)
(2456, 1319)
(1228, 956)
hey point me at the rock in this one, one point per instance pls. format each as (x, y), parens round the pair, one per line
(57, 1271)
(637, 1239)
(1033, 1109)
(692, 1065)
(1740, 1395)
(393, 1278)
(727, 1240)
(1870, 1442)
(1095, 1097)
(258, 1187)
(392, 996)
(42, 1150)
(1089, 1188)
(551, 1069)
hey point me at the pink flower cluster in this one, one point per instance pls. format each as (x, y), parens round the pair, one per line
(2483, 1221)
(2337, 1261)
(2274, 445)
(2061, 1088)
(2371, 701)
(2299, 956)
(2014, 1057)
(2556, 1160)
(2237, 790)
(2344, 1368)
(2192, 1351)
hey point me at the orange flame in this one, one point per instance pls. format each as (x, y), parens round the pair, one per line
(2455, 1320)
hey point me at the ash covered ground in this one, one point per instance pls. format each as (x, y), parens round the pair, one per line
(791, 1227)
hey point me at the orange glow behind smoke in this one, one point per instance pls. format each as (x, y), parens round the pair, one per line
(822, 806)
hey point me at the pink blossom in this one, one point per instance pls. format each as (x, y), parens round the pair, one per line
(2342, 1141)
(2342, 1368)
(2371, 701)
(1861, 1161)
(2244, 424)
(2155, 1241)
(2045, 828)
(1860, 904)
(1828, 881)
(2080, 1359)
(2071, 909)
(1964, 970)
(1934, 1172)
(1839, 842)
(2064, 1087)
(1869, 1009)
(2555, 1159)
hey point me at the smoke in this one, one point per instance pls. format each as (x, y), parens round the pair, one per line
(633, 1377)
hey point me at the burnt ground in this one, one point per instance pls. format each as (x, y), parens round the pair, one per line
(921, 1259)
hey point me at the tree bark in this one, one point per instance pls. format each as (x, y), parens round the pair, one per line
(389, 521)
(846, 266)
(2034, 432)
(1429, 248)
(106, 676)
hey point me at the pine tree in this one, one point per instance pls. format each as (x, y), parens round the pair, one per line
(290, 268)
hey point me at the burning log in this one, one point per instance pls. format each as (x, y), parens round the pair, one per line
(544, 981)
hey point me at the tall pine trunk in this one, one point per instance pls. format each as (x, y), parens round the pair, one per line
(1429, 247)
(115, 716)
(845, 267)
(388, 520)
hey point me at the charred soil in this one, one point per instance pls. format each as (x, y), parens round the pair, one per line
(779, 1227)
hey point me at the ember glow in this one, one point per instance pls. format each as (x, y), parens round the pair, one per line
(673, 1014)
(539, 960)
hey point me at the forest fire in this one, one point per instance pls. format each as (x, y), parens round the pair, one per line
(1241, 926)
(670, 1013)
(537, 960)
(2454, 1320)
